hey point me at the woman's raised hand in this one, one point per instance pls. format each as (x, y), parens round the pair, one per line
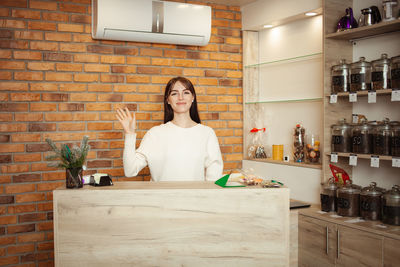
(127, 120)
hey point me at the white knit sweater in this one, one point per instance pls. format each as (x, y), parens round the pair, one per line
(174, 153)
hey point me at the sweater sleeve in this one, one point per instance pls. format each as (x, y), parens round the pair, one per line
(213, 164)
(134, 161)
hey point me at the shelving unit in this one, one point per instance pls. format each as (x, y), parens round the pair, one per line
(291, 163)
(363, 156)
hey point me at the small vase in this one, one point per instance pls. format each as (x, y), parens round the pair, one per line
(74, 178)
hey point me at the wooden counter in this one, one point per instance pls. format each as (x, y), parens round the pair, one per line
(171, 224)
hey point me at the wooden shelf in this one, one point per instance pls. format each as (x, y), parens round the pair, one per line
(362, 156)
(365, 93)
(290, 163)
(367, 31)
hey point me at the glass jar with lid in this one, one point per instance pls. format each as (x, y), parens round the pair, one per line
(341, 137)
(361, 137)
(348, 200)
(340, 77)
(381, 139)
(371, 202)
(328, 196)
(395, 72)
(391, 206)
(380, 75)
(360, 75)
(395, 139)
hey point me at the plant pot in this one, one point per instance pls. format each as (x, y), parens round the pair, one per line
(74, 178)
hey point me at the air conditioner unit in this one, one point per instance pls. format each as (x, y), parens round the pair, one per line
(151, 21)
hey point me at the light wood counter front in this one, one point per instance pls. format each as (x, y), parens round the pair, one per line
(171, 224)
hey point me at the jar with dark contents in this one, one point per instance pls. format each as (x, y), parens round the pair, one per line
(395, 72)
(391, 206)
(340, 77)
(328, 196)
(348, 200)
(360, 75)
(380, 75)
(371, 202)
(298, 143)
(381, 139)
(361, 137)
(395, 139)
(341, 137)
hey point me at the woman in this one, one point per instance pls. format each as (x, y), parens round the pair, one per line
(181, 149)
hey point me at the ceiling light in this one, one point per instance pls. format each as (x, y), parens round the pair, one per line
(268, 26)
(310, 14)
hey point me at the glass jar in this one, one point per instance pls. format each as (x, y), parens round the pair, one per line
(341, 137)
(381, 139)
(361, 136)
(360, 75)
(395, 72)
(391, 206)
(348, 200)
(298, 143)
(328, 196)
(313, 153)
(340, 77)
(380, 76)
(395, 139)
(371, 202)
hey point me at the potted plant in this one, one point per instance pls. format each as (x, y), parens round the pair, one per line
(71, 159)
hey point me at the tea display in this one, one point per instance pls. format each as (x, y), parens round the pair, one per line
(381, 138)
(361, 136)
(340, 77)
(380, 76)
(371, 202)
(348, 200)
(298, 143)
(360, 75)
(313, 153)
(391, 206)
(341, 137)
(395, 72)
(328, 196)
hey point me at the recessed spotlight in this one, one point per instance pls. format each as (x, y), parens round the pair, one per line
(268, 26)
(310, 14)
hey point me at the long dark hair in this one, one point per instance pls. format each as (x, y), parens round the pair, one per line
(168, 112)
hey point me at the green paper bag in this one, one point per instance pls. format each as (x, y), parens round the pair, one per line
(224, 179)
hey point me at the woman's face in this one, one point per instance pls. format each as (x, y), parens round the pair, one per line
(180, 99)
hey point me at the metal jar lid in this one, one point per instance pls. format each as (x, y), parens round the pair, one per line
(363, 125)
(385, 125)
(361, 64)
(372, 190)
(350, 188)
(330, 185)
(342, 124)
(342, 65)
(392, 197)
(384, 60)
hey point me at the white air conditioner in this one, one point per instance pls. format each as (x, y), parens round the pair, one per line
(151, 21)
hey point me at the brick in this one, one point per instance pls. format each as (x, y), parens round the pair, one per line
(71, 126)
(73, 87)
(40, 66)
(42, 127)
(44, 87)
(70, 28)
(28, 35)
(29, 197)
(193, 72)
(5, 75)
(96, 68)
(228, 65)
(123, 69)
(208, 81)
(8, 220)
(45, 246)
(68, 67)
(56, 36)
(98, 107)
(52, 176)
(49, 186)
(185, 63)
(109, 154)
(148, 70)
(126, 51)
(43, 107)
(54, 97)
(12, 65)
(235, 74)
(25, 14)
(14, 3)
(172, 71)
(15, 168)
(71, 107)
(6, 261)
(13, 44)
(110, 98)
(68, 47)
(5, 34)
(214, 73)
(175, 54)
(113, 59)
(39, 25)
(57, 57)
(37, 147)
(28, 76)
(109, 135)
(13, 127)
(58, 117)
(138, 60)
(101, 49)
(50, 16)
(32, 217)
(137, 79)
(4, 138)
(226, 99)
(5, 54)
(25, 137)
(72, 8)
(5, 179)
(25, 97)
(31, 157)
(44, 45)
(45, 226)
(99, 163)
(32, 237)
(149, 89)
(95, 126)
(83, 97)
(5, 159)
(111, 78)
(151, 52)
(46, 206)
(13, 86)
(160, 80)
(10, 23)
(6, 200)
(28, 117)
(86, 58)
(43, 5)
(24, 228)
(85, 19)
(86, 77)
(206, 64)
(6, 117)
(20, 249)
(85, 116)
(5, 148)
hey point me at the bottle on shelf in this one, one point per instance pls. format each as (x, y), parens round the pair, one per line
(298, 143)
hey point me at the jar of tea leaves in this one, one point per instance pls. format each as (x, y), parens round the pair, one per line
(361, 136)
(360, 75)
(395, 72)
(395, 139)
(380, 76)
(328, 196)
(382, 138)
(298, 143)
(341, 137)
(340, 77)
(371, 202)
(348, 200)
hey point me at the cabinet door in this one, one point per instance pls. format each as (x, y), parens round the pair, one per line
(358, 248)
(317, 242)
(391, 257)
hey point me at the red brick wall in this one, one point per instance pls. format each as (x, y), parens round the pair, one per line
(56, 82)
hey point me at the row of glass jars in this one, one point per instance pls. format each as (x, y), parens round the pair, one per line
(370, 203)
(378, 138)
(383, 73)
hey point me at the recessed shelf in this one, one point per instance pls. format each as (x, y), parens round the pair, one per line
(285, 100)
(290, 163)
(367, 31)
(286, 60)
(362, 156)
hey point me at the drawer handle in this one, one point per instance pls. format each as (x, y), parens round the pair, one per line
(338, 244)
(327, 240)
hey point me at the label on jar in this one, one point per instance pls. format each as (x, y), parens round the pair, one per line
(337, 80)
(371, 97)
(375, 161)
(334, 157)
(353, 160)
(357, 140)
(353, 97)
(333, 99)
(357, 78)
(396, 162)
(377, 76)
(395, 95)
(337, 139)
(343, 203)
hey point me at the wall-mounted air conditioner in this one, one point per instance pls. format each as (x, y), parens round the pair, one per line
(151, 21)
